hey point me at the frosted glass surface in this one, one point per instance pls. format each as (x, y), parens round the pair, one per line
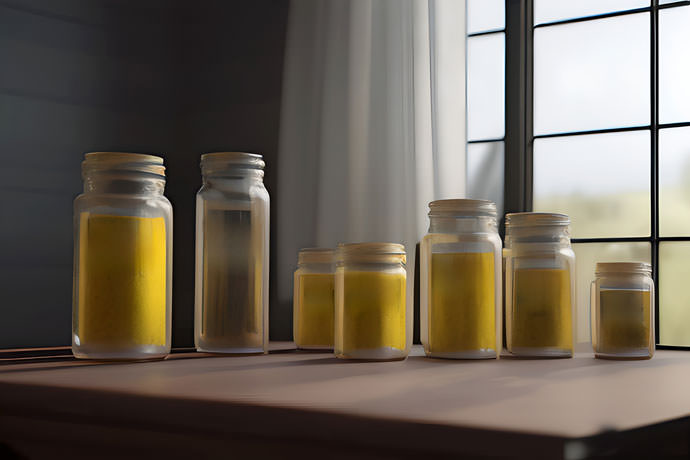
(592, 75)
(674, 182)
(485, 15)
(485, 163)
(602, 181)
(486, 86)
(586, 257)
(674, 65)
(674, 295)
(557, 10)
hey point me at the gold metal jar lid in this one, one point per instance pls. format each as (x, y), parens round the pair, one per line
(614, 268)
(462, 207)
(316, 256)
(371, 252)
(536, 219)
(122, 161)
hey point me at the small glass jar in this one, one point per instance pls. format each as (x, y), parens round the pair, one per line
(232, 243)
(539, 285)
(313, 306)
(460, 281)
(622, 309)
(373, 319)
(122, 291)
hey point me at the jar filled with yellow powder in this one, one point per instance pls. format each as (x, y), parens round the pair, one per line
(122, 259)
(232, 237)
(622, 309)
(313, 306)
(460, 281)
(539, 285)
(373, 319)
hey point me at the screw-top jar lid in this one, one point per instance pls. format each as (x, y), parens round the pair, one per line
(122, 161)
(462, 207)
(536, 219)
(222, 161)
(371, 252)
(316, 256)
(609, 268)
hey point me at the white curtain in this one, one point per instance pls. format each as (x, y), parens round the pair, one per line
(372, 123)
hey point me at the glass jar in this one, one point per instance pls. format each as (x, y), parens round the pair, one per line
(622, 309)
(313, 306)
(460, 281)
(122, 293)
(373, 319)
(539, 285)
(232, 237)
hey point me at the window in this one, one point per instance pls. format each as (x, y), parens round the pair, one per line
(609, 142)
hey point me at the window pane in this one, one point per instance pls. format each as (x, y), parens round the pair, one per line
(674, 65)
(674, 295)
(485, 164)
(674, 182)
(485, 86)
(484, 15)
(556, 10)
(592, 75)
(600, 180)
(586, 256)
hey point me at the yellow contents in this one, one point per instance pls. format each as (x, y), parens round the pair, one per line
(122, 281)
(542, 313)
(371, 312)
(624, 320)
(314, 310)
(462, 302)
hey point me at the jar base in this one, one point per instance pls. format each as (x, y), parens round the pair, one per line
(467, 354)
(525, 352)
(374, 354)
(144, 353)
(315, 347)
(634, 354)
(232, 350)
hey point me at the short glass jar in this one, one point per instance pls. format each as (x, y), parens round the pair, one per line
(622, 309)
(122, 293)
(373, 319)
(460, 281)
(313, 299)
(539, 285)
(232, 243)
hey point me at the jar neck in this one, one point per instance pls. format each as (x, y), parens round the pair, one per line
(455, 224)
(233, 176)
(124, 182)
(552, 235)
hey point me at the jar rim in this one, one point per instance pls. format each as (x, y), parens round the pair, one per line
(231, 160)
(462, 207)
(123, 161)
(536, 219)
(316, 256)
(642, 268)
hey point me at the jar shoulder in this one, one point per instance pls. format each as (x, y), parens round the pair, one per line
(118, 204)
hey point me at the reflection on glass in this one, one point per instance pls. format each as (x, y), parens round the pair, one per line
(586, 257)
(600, 180)
(674, 182)
(485, 86)
(485, 163)
(674, 65)
(485, 15)
(674, 295)
(592, 75)
(557, 10)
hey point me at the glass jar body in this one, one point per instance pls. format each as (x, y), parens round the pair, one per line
(461, 288)
(622, 309)
(314, 306)
(122, 267)
(372, 315)
(232, 257)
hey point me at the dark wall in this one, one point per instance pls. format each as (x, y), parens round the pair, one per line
(177, 78)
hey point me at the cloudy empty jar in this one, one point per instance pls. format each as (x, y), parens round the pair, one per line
(539, 285)
(622, 309)
(372, 318)
(122, 259)
(313, 299)
(460, 281)
(232, 238)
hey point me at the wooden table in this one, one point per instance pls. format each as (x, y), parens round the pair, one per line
(289, 402)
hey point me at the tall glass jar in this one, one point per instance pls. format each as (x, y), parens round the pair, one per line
(122, 293)
(232, 238)
(313, 305)
(460, 281)
(539, 285)
(622, 309)
(373, 319)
